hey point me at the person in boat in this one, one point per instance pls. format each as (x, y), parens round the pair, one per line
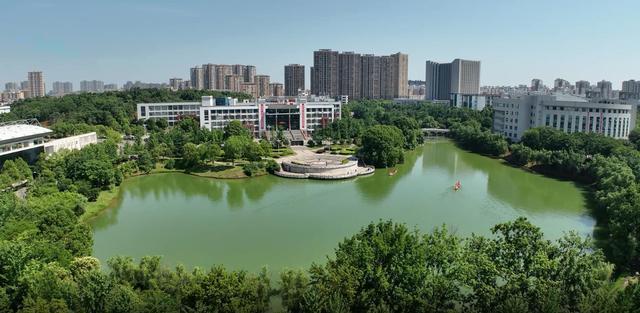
(457, 185)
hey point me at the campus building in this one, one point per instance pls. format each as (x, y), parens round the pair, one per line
(570, 114)
(27, 139)
(299, 116)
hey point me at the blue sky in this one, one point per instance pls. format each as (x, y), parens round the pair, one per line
(146, 40)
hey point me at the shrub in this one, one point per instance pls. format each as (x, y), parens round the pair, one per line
(250, 168)
(272, 166)
(171, 164)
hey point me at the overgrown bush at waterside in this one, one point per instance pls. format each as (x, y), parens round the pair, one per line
(611, 166)
(471, 136)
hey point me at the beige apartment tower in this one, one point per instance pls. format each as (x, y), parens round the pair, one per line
(360, 76)
(324, 73)
(349, 74)
(276, 89)
(262, 81)
(36, 84)
(370, 81)
(197, 78)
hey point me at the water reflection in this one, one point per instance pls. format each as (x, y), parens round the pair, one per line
(380, 185)
(246, 224)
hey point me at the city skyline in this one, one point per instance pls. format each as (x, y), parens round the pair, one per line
(132, 51)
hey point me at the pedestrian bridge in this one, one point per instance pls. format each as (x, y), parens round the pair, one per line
(435, 131)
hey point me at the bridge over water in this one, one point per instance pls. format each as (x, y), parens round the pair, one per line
(435, 131)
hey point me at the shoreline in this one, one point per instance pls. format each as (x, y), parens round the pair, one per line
(106, 198)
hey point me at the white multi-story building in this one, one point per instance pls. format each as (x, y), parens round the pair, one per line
(172, 112)
(304, 113)
(570, 114)
(217, 113)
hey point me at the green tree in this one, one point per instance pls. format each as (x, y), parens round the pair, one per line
(209, 151)
(190, 155)
(235, 128)
(382, 146)
(234, 147)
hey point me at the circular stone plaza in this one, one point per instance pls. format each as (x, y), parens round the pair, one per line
(307, 164)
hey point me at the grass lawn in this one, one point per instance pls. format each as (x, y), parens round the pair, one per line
(220, 171)
(276, 153)
(344, 149)
(105, 198)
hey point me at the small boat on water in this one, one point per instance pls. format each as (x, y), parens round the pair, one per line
(457, 186)
(393, 171)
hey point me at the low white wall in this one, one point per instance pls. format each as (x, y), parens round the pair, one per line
(70, 143)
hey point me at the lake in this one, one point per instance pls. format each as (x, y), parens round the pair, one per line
(285, 223)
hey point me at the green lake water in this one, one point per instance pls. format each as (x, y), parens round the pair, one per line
(285, 223)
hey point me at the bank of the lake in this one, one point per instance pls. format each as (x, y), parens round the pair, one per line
(245, 224)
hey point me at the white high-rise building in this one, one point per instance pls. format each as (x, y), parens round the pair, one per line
(465, 77)
(446, 81)
(62, 88)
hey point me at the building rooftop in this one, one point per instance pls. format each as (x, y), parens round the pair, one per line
(569, 98)
(15, 131)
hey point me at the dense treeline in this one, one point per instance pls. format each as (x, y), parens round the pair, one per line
(114, 109)
(611, 166)
(388, 268)
(470, 135)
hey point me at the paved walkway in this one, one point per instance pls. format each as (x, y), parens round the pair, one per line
(307, 155)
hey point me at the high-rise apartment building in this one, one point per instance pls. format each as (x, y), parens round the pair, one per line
(582, 87)
(210, 79)
(62, 88)
(237, 69)
(536, 84)
(605, 89)
(293, 79)
(250, 89)
(24, 85)
(349, 75)
(91, 86)
(175, 83)
(325, 73)
(219, 80)
(262, 81)
(276, 89)
(110, 87)
(370, 81)
(249, 73)
(232, 83)
(36, 84)
(11, 86)
(359, 76)
(213, 76)
(399, 79)
(461, 77)
(197, 78)
(561, 84)
(630, 89)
